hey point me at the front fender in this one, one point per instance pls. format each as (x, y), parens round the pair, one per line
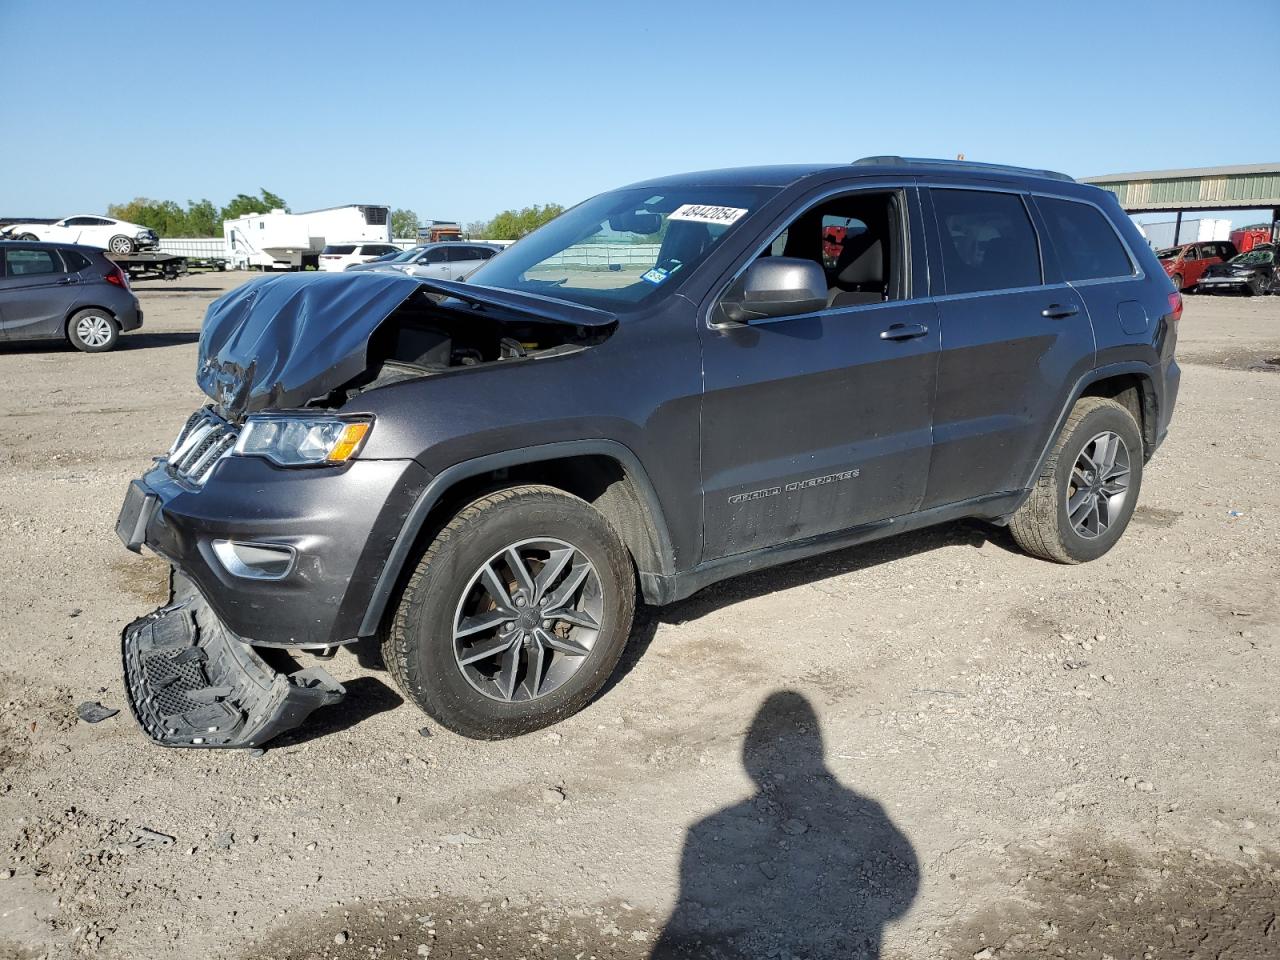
(440, 484)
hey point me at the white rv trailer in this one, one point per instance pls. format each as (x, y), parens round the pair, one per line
(291, 241)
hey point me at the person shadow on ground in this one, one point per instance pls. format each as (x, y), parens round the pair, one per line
(804, 869)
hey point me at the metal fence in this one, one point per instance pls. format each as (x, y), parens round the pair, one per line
(201, 248)
(602, 256)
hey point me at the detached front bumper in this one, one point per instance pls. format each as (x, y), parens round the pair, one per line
(336, 526)
(307, 547)
(192, 683)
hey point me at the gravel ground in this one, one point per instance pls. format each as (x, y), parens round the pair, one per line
(932, 746)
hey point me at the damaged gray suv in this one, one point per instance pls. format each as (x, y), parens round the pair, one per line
(670, 384)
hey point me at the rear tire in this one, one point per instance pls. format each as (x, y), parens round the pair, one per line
(121, 245)
(29, 237)
(1086, 493)
(93, 330)
(540, 666)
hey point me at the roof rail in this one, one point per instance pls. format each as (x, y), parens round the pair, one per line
(887, 161)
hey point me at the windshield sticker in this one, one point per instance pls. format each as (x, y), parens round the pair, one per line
(656, 275)
(702, 213)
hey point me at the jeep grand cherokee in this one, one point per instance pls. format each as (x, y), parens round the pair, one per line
(672, 383)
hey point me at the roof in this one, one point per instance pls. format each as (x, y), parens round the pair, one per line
(782, 175)
(1244, 187)
(53, 245)
(303, 213)
(1239, 169)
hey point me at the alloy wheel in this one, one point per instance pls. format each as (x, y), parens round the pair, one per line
(121, 245)
(1099, 485)
(93, 330)
(527, 620)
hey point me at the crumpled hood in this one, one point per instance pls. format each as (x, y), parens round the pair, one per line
(282, 341)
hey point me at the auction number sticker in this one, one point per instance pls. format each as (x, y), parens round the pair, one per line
(703, 213)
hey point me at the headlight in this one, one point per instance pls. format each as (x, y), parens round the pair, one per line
(302, 441)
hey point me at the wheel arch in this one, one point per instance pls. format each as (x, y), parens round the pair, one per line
(1131, 384)
(605, 473)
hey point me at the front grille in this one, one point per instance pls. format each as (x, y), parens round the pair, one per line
(203, 441)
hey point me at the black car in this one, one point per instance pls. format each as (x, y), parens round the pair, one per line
(672, 383)
(1251, 273)
(63, 291)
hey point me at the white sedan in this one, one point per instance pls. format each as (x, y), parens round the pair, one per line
(118, 236)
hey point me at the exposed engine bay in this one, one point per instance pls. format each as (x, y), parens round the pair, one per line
(425, 338)
(298, 340)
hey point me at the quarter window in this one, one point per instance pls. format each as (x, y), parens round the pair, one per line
(987, 240)
(75, 261)
(1087, 246)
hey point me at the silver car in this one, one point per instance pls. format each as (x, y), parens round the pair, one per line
(447, 260)
(402, 256)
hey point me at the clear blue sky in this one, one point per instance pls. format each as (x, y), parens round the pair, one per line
(458, 110)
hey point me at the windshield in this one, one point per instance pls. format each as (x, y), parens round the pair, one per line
(1169, 254)
(1255, 257)
(625, 248)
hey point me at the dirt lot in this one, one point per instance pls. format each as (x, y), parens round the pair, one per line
(930, 747)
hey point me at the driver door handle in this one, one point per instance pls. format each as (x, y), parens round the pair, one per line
(904, 331)
(66, 280)
(1059, 311)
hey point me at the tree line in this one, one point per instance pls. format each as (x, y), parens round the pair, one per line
(199, 218)
(513, 224)
(203, 218)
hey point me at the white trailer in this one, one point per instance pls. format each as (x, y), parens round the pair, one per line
(291, 241)
(1160, 234)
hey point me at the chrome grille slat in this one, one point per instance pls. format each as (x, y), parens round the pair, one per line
(204, 440)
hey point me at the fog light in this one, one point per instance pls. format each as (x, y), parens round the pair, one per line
(254, 561)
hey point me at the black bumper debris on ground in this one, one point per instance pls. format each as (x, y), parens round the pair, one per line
(193, 683)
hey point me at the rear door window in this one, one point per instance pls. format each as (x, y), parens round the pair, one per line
(28, 262)
(1086, 243)
(988, 242)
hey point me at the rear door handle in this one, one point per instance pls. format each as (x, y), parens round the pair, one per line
(904, 331)
(1059, 311)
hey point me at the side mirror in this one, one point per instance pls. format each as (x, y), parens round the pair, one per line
(775, 287)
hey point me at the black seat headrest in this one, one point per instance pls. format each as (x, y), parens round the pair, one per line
(861, 261)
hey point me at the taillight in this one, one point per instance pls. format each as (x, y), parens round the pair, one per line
(1175, 306)
(117, 276)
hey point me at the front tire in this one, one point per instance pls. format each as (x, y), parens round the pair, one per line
(93, 331)
(516, 614)
(1177, 282)
(121, 245)
(1086, 493)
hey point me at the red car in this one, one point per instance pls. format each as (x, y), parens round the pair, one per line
(1187, 263)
